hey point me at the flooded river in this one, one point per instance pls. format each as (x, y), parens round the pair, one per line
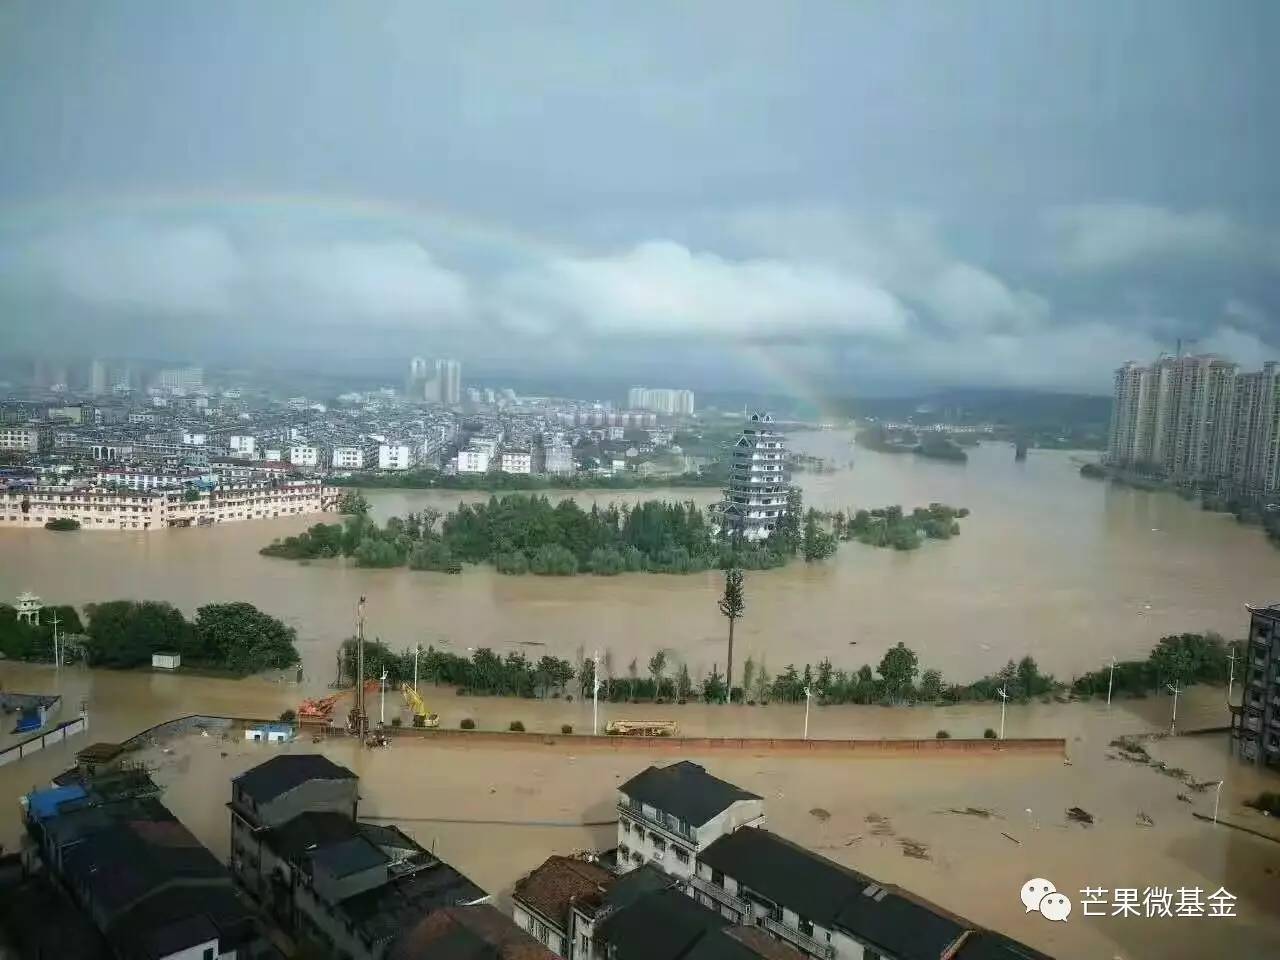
(1066, 569)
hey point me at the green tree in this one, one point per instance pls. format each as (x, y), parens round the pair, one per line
(125, 633)
(684, 683)
(748, 676)
(713, 687)
(240, 637)
(658, 667)
(353, 502)
(898, 669)
(763, 682)
(931, 685)
(733, 605)
(818, 543)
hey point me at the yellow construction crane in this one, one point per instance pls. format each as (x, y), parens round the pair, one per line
(421, 718)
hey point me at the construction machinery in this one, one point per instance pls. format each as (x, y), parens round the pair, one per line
(641, 728)
(421, 718)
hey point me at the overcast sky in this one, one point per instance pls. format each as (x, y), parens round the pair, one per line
(858, 195)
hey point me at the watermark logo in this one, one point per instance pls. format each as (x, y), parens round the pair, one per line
(1043, 897)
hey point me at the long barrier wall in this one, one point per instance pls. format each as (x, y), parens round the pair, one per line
(577, 741)
(704, 744)
(41, 740)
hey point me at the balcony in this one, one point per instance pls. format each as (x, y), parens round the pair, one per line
(798, 939)
(638, 815)
(723, 897)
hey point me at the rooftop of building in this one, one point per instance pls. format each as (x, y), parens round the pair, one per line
(786, 873)
(685, 790)
(900, 924)
(179, 918)
(989, 945)
(283, 773)
(560, 882)
(478, 932)
(382, 912)
(39, 920)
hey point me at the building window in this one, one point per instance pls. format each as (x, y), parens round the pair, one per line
(626, 826)
(584, 946)
(717, 877)
(681, 855)
(208, 953)
(806, 927)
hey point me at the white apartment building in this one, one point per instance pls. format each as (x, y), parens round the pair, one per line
(473, 461)
(349, 458)
(194, 439)
(120, 508)
(558, 459)
(149, 479)
(242, 445)
(396, 456)
(668, 815)
(670, 402)
(517, 461)
(304, 455)
(21, 438)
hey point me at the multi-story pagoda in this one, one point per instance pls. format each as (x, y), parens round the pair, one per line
(759, 480)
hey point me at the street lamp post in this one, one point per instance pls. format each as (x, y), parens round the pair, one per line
(57, 655)
(1173, 720)
(1217, 798)
(1111, 680)
(382, 701)
(417, 649)
(1004, 702)
(808, 695)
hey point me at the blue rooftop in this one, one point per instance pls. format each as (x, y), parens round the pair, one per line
(44, 804)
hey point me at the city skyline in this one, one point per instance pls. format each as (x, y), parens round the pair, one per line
(1004, 210)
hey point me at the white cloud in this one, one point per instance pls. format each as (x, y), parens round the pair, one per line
(199, 271)
(1114, 235)
(662, 289)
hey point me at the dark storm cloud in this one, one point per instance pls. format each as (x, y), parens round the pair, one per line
(959, 193)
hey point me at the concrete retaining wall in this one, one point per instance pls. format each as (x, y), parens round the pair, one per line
(708, 744)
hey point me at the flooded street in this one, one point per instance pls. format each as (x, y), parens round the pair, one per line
(1069, 570)
(938, 825)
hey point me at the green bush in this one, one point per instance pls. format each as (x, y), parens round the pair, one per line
(553, 560)
(62, 523)
(288, 716)
(467, 724)
(942, 735)
(516, 726)
(513, 562)
(566, 728)
(989, 734)
(396, 721)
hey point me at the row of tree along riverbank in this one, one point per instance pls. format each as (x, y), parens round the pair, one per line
(1250, 511)
(713, 475)
(234, 638)
(521, 533)
(1183, 659)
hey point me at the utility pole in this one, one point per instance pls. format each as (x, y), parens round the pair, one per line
(382, 700)
(1231, 677)
(57, 658)
(1111, 680)
(417, 648)
(1004, 702)
(808, 695)
(361, 720)
(1173, 721)
(595, 695)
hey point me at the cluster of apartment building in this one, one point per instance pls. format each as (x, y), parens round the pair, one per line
(1198, 419)
(696, 874)
(678, 403)
(1255, 723)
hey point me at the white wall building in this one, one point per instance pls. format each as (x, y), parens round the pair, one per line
(304, 455)
(20, 438)
(349, 458)
(473, 461)
(558, 459)
(517, 461)
(667, 815)
(194, 439)
(242, 445)
(396, 456)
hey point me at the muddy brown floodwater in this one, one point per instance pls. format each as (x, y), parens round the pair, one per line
(1069, 570)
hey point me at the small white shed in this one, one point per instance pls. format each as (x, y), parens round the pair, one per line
(167, 660)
